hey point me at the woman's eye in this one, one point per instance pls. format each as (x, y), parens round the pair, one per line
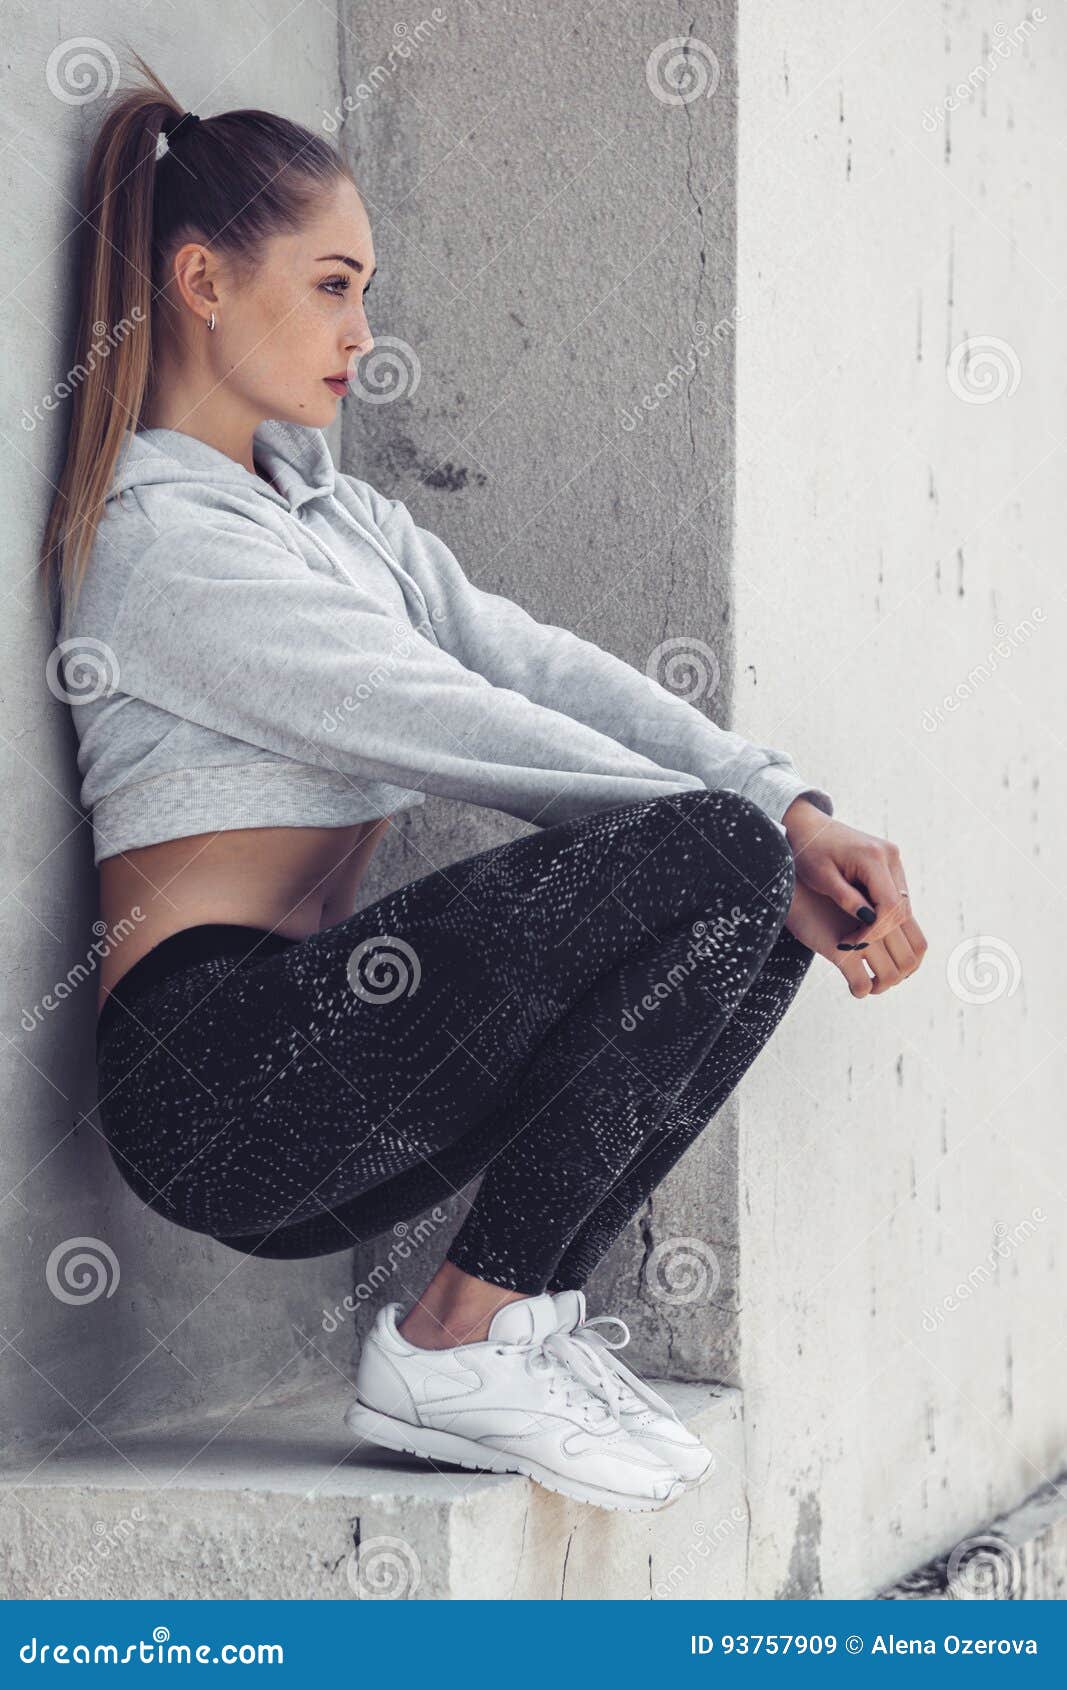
(336, 285)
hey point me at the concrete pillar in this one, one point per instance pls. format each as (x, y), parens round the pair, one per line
(850, 496)
(155, 1320)
(552, 392)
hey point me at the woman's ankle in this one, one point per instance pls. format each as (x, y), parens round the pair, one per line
(454, 1309)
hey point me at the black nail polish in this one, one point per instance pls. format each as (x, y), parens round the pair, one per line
(865, 913)
(844, 946)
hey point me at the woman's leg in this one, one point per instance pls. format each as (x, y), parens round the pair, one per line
(287, 1093)
(616, 1055)
(745, 1035)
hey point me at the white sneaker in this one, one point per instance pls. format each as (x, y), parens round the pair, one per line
(646, 1415)
(506, 1405)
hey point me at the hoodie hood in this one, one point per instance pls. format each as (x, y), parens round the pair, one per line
(295, 457)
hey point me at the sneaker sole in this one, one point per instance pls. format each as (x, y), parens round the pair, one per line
(431, 1445)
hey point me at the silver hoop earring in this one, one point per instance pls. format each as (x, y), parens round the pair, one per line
(211, 321)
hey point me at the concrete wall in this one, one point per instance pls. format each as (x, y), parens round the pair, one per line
(550, 232)
(833, 506)
(169, 1322)
(899, 512)
(550, 260)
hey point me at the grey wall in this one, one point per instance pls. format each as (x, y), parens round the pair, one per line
(550, 251)
(184, 1322)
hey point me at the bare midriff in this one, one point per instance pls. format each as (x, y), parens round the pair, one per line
(289, 880)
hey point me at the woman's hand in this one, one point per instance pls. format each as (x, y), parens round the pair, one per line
(842, 872)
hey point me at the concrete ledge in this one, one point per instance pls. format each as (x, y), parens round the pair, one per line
(1019, 1556)
(276, 1502)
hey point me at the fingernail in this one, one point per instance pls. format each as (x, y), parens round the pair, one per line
(843, 946)
(866, 914)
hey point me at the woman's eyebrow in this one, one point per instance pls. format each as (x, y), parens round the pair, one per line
(342, 258)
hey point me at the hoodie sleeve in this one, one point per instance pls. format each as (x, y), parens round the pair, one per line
(551, 666)
(222, 625)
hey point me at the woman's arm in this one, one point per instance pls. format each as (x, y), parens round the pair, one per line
(495, 637)
(220, 623)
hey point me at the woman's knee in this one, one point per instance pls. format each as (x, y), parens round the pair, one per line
(738, 838)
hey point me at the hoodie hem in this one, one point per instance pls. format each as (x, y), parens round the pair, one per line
(185, 802)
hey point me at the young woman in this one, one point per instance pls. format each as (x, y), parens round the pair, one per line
(268, 661)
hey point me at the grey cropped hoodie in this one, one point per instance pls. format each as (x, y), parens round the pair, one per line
(245, 655)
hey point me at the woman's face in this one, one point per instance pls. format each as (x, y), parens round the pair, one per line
(298, 317)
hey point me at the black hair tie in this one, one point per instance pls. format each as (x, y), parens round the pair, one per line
(183, 125)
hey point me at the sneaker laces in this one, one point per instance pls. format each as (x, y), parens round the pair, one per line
(585, 1381)
(627, 1389)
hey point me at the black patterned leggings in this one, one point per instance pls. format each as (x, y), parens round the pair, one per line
(563, 1013)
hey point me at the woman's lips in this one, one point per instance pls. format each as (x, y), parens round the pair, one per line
(337, 384)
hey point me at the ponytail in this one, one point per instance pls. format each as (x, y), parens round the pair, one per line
(241, 176)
